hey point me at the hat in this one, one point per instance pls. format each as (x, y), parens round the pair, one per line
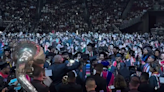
(131, 67)
(123, 48)
(131, 52)
(3, 65)
(93, 58)
(65, 53)
(103, 54)
(118, 55)
(50, 47)
(152, 56)
(50, 54)
(85, 56)
(7, 49)
(63, 49)
(116, 47)
(157, 50)
(91, 44)
(147, 47)
(77, 54)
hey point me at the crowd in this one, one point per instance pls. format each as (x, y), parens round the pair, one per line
(62, 16)
(71, 15)
(103, 16)
(89, 62)
(140, 7)
(21, 13)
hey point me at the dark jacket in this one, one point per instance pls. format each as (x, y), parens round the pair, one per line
(114, 68)
(112, 57)
(40, 87)
(153, 82)
(59, 70)
(145, 87)
(79, 78)
(46, 64)
(100, 82)
(161, 89)
(81, 74)
(70, 87)
(3, 81)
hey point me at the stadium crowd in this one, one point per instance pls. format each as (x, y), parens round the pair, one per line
(64, 15)
(89, 62)
(21, 13)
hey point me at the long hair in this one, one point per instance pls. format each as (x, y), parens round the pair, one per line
(119, 82)
(6, 57)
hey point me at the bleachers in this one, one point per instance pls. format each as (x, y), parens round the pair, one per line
(71, 16)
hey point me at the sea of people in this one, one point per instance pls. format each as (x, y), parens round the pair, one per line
(64, 15)
(77, 61)
(88, 62)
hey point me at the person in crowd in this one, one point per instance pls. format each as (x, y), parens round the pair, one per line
(157, 54)
(71, 85)
(134, 84)
(6, 57)
(86, 67)
(49, 58)
(115, 51)
(90, 85)
(106, 73)
(117, 65)
(110, 49)
(38, 78)
(126, 73)
(103, 58)
(46, 64)
(4, 73)
(150, 61)
(154, 79)
(90, 50)
(100, 81)
(60, 68)
(80, 77)
(78, 55)
(122, 52)
(120, 84)
(146, 53)
(65, 56)
(131, 60)
(161, 63)
(144, 85)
